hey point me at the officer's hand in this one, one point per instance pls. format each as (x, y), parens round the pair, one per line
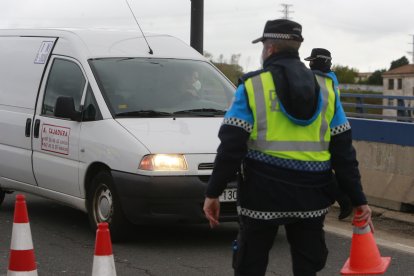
(363, 214)
(212, 210)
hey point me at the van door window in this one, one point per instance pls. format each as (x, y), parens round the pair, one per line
(65, 79)
(90, 108)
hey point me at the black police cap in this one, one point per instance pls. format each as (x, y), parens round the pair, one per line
(319, 53)
(281, 29)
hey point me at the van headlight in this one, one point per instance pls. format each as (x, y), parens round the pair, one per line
(163, 162)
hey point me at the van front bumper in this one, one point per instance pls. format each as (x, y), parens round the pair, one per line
(175, 198)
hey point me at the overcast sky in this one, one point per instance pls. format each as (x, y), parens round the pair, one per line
(364, 34)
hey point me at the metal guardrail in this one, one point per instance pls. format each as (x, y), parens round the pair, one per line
(367, 106)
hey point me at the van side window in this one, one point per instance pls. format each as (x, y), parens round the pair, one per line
(90, 108)
(65, 79)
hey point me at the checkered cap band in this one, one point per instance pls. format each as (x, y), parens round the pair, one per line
(322, 56)
(238, 123)
(277, 215)
(340, 129)
(278, 36)
(308, 166)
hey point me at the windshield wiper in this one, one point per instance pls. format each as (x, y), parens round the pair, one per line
(144, 113)
(201, 112)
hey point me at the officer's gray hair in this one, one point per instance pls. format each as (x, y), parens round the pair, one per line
(282, 45)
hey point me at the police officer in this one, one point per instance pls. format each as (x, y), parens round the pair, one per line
(320, 61)
(287, 128)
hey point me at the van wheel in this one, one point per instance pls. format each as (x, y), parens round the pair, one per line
(104, 205)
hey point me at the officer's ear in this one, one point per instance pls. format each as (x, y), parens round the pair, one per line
(272, 49)
(268, 48)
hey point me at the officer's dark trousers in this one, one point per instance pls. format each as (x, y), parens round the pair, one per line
(306, 239)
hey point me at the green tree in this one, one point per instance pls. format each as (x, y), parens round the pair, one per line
(399, 62)
(235, 58)
(345, 74)
(221, 59)
(233, 71)
(376, 77)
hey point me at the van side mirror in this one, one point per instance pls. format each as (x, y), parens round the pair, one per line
(65, 108)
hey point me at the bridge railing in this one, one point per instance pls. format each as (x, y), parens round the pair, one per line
(371, 106)
(382, 133)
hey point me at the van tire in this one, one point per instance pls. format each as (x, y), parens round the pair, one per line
(104, 205)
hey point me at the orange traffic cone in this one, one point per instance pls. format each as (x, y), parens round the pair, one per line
(103, 261)
(365, 257)
(22, 258)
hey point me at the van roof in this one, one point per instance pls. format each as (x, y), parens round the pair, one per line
(99, 43)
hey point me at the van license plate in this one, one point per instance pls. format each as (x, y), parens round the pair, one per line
(229, 195)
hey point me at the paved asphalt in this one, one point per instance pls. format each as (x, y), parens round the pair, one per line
(64, 245)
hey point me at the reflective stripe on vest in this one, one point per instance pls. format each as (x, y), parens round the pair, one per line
(288, 140)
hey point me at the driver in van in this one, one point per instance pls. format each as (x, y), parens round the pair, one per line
(190, 87)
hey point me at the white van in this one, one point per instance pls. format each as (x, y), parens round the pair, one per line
(92, 119)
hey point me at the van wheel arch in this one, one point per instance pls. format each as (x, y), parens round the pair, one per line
(93, 170)
(102, 202)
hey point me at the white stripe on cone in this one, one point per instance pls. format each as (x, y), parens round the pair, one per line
(21, 237)
(22, 273)
(103, 266)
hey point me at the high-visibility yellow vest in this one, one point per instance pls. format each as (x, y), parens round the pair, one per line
(276, 135)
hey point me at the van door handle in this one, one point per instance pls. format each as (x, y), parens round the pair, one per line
(36, 128)
(28, 126)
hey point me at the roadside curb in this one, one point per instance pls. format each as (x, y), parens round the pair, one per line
(393, 215)
(386, 214)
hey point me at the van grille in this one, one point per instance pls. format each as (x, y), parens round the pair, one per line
(206, 166)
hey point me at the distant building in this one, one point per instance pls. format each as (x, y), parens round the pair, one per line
(361, 77)
(398, 82)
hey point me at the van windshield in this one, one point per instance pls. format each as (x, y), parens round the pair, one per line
(142, 87)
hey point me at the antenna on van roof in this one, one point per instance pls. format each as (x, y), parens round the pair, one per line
(150, 50)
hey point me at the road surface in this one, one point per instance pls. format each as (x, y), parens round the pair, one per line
(64, 245)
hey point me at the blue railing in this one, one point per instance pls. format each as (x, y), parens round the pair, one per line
(356, 106)
(370, 123)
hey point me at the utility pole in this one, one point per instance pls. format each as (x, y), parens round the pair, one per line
(412, 53)
(197, 25)
(286, 11)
